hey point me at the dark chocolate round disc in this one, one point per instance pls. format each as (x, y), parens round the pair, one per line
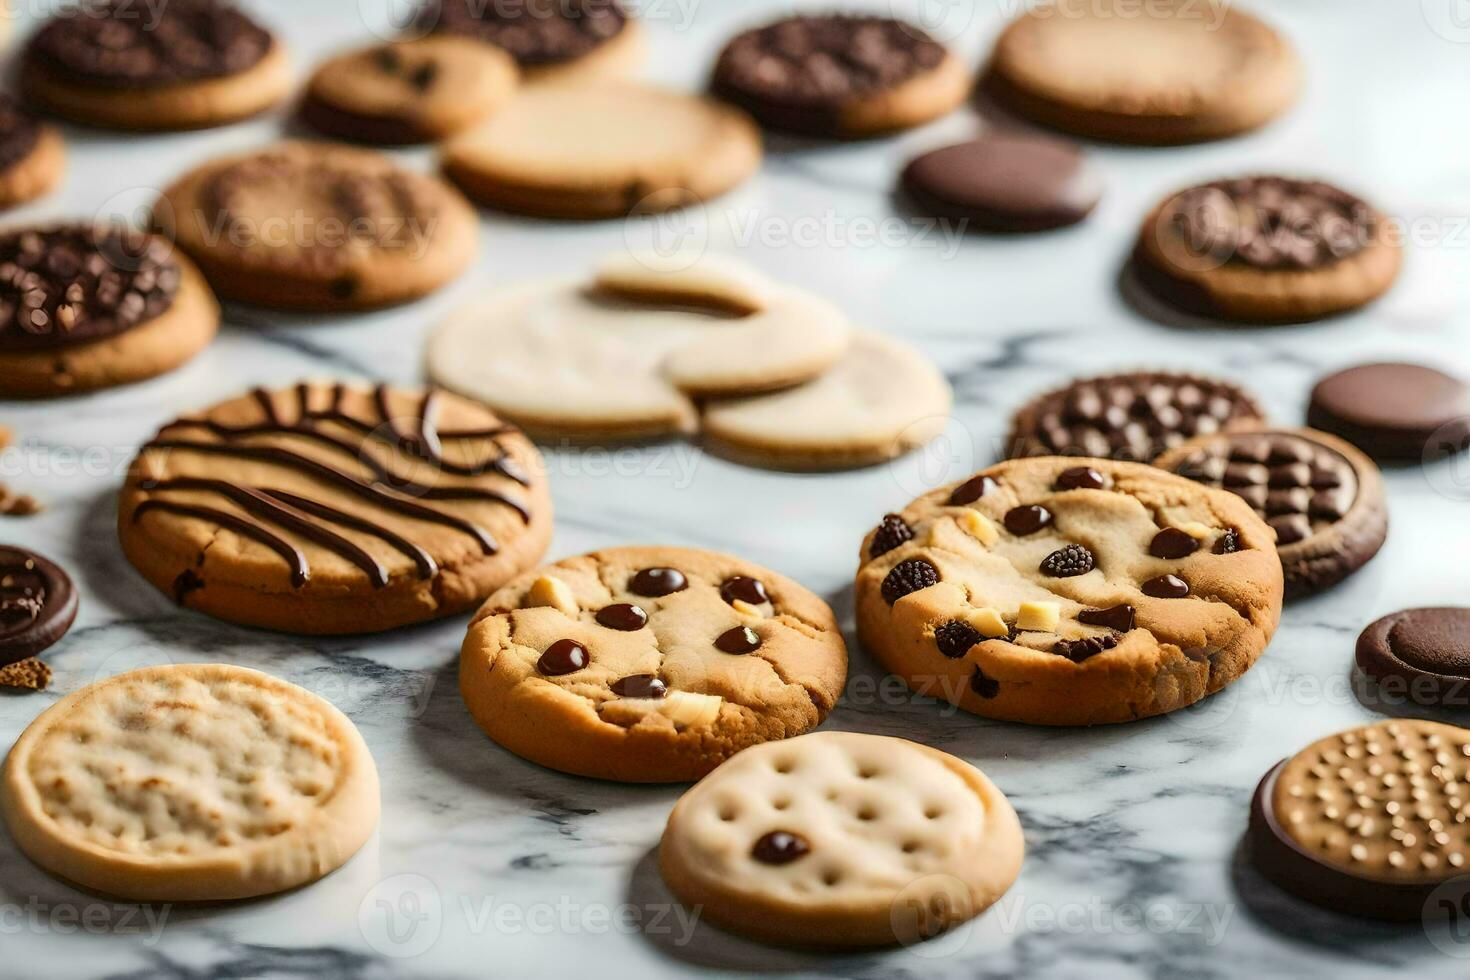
(1422, 654)
(37, 604)
(1005, 183)
(1396, 412)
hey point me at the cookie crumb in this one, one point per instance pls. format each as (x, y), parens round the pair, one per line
(29, 675)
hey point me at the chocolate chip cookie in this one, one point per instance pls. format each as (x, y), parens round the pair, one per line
(1064, 591)
(333, 508)
(186, 65)
(561, 40)
(1369, 821)
(1266, 249)
(1132, 417)
(840, 839)
(1420, 654)
(1399, 413)
(38, 604)
(1174, 72)
(1322, 497)
(840, 75)
(85, 307)
(649, 665)
(318, 226)
(408, 92)
(32, 155)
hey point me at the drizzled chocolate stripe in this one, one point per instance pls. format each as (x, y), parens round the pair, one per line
(427, 566)
(300, 572)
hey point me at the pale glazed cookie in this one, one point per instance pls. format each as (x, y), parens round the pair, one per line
(1176, 71)
(32, 155)
(552, 40)
(1266, 250)
(839, 839)
(1370, 821)
(85, 307)
(649, 665)
(189, 64)
(1063, 591)
(329, 508)
(318, 226)
(410, 91)
(840, 75)
(188, 783)
(624, 355)
(582, 151)
(879, 401)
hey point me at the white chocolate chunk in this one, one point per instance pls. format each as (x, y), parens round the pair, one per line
(989, 623)
(979, 527)
(684, 708)
(1196, 530)
(1040, 617)
(551, 591)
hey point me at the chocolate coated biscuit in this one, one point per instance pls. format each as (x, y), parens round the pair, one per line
(37, 604)
(1394, 412)
(1424, 652)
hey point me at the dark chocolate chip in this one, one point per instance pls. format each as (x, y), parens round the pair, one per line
(984, 686)
(563, 657)
(1081, 478)
(656, 582)
(892, 532)
(1229, 543)
(1027, 519)
(622, 616)
(740, 639)
(1166, 587)
(908, 576)
(750, 590)
(973, 489)
(1173, 543)
(639, 686)
(954, 639)
(1068, 562)
(1088, 646)
(780, 847)
(1118, 618)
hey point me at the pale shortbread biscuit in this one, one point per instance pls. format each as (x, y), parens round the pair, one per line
(585, 151)
(884, 841)
(197, 782)
(649, 664)
(879, 401)
(1170, 71)
(1064, 591)
(624, 356)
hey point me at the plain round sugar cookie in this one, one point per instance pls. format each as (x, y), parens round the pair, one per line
(649, 665)
(318, 226)
(1393, 411)
(32, 154)
(1266, 250)
(1064, 591)
(1421, 654)
(410, 91)
(839, 839)
(584, 151)
(84, 307)
(1322, 497)
(187, 65)
(879, 401)
(1174, 71)
(840, 75)
(583, 41)
(1369, 821)
(624, 355)
(191, 783)
(329, 508)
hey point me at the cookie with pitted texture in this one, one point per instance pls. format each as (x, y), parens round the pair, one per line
(1063, 591)
(649, 665)
(1323, 498)
(85, 307)
(192, 782)
(32, 155)
(1132, 417)
(551, 40)
(1177, 72)
(1266, 249)
(841, 839)
(187, 65)
(840, 75)
(1370, 821)
(318, 226)
(334, 508)
(409, 91)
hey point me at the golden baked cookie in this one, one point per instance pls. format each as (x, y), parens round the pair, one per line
(1171, 71)
(409, 91)
(189, 64)
(32, 154)
(333, 508)
(85, 307)
(649, 665)
(190, 783)
(1064, 591)
(842, 839)
(318, 226)
(583, 151)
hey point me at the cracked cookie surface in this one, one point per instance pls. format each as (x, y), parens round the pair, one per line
(649, 664)
(1068, 591)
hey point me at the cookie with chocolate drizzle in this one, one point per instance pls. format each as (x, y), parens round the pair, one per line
(332, 508)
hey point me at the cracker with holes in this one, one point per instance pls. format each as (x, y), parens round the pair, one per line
(842, 839)
(1369, 821)
(649, 664)
(195, 782)
(1062, 591)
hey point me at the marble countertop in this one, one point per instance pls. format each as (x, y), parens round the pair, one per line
(486, 865)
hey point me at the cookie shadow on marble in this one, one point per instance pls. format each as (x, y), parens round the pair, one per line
(1390, 701)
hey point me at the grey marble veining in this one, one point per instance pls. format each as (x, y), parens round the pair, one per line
(488, 866)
